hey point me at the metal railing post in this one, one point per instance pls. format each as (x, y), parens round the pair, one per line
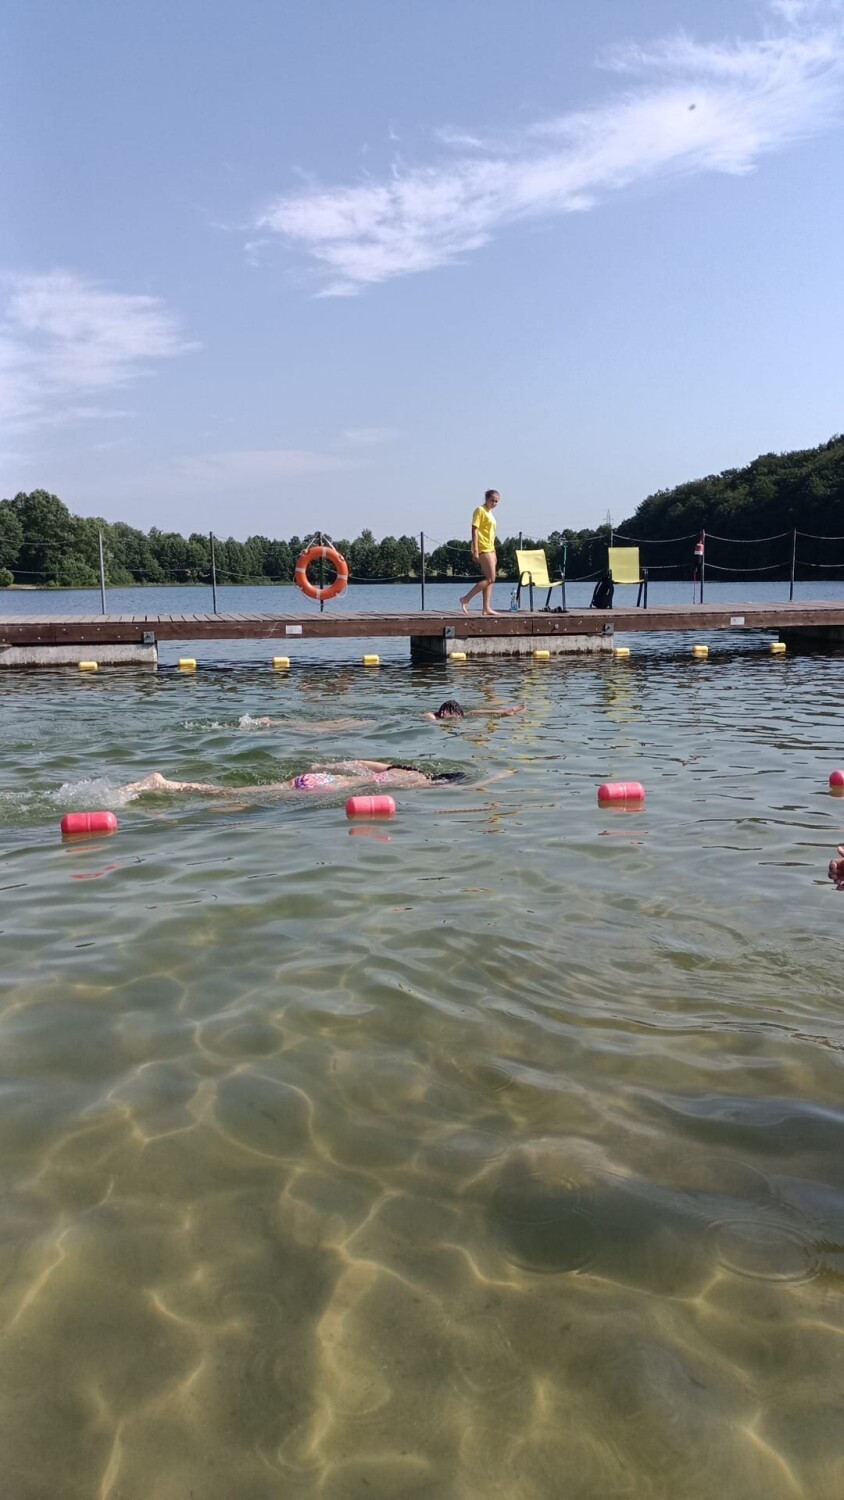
(422, 575)
(102, 576)
(702, 564)
(213, 571)
(793, 563)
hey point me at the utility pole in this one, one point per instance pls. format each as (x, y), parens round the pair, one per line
(102, 575)
(213, 571)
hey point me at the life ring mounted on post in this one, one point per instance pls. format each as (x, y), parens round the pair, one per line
(322, 553)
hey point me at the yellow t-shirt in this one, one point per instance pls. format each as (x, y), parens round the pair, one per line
(483, 521)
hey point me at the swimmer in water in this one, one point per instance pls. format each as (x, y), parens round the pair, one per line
(342, 776)
(836, 869)
(451, 709)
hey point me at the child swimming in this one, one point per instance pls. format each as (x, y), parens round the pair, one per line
(339, 776)
(451, 709)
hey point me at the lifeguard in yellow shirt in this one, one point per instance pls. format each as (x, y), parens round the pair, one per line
(483, 551)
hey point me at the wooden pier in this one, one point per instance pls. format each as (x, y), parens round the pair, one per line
(53, 639)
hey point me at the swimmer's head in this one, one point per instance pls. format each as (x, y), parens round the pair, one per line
(449, 710)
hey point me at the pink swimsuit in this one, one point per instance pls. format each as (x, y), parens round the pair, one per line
(310, 781)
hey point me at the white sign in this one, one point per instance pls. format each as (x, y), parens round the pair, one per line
(736, 619)
(297, 629)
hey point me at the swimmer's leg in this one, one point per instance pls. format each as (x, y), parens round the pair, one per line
(347, 765)
(155, 782)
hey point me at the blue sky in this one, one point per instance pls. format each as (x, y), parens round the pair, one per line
(279, 266)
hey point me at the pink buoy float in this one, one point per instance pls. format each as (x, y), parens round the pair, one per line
(82, 824)
(370, 807)
(836, 782)
(621, 791)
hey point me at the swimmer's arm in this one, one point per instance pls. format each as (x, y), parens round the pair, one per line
(496, 713)
(480, 786)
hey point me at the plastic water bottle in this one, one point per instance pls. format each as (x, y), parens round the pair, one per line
(514, 600)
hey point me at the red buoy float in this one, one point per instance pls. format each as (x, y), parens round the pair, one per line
(836, 781)
(81, 824)
(338, 563)
(370, 807)
(621, 791)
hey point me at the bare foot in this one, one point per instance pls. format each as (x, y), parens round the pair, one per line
(495, 612)
(155, 782)
(464, 606)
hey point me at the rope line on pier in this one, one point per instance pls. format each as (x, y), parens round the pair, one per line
(747, 541)
(722, 568)
(655, 541)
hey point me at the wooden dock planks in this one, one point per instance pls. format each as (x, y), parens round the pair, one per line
(87, 630)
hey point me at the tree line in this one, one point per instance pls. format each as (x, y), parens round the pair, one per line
(756, 507)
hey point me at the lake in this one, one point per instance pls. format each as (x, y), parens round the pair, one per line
(494, 1151)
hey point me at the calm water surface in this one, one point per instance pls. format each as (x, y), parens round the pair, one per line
(495, 1152)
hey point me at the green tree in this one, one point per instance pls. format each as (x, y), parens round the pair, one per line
(132, 553)
(365, 556)
(73, 572)
(47, 527)
(11, 535)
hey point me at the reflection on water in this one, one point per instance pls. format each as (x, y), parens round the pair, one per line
(500, 1154)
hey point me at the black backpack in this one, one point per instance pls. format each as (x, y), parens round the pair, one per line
(604, 590)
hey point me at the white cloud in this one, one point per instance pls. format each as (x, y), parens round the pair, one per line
(697, 107)
(64, 338)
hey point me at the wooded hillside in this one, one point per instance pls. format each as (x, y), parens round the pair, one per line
(749, 516)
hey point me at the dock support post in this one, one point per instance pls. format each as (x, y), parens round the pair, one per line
(793, 563)
(422, 578)
(812, 637)
(213, 571)
(102, 577)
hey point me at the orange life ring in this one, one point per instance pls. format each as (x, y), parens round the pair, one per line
(338, 563)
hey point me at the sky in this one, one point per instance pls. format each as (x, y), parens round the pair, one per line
(290, 265)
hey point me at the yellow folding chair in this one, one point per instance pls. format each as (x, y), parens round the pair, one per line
(533, 573)
(624, 567)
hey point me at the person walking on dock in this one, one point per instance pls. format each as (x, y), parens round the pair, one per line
(483, 551)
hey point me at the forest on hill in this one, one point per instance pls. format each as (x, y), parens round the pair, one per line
(750, 517)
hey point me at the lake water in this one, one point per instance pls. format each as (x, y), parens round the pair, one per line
(497, 1151)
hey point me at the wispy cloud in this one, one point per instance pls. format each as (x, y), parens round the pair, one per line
(227, 489)
(241, 469)
(64, 338)
(370, 437)
(694, 107)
